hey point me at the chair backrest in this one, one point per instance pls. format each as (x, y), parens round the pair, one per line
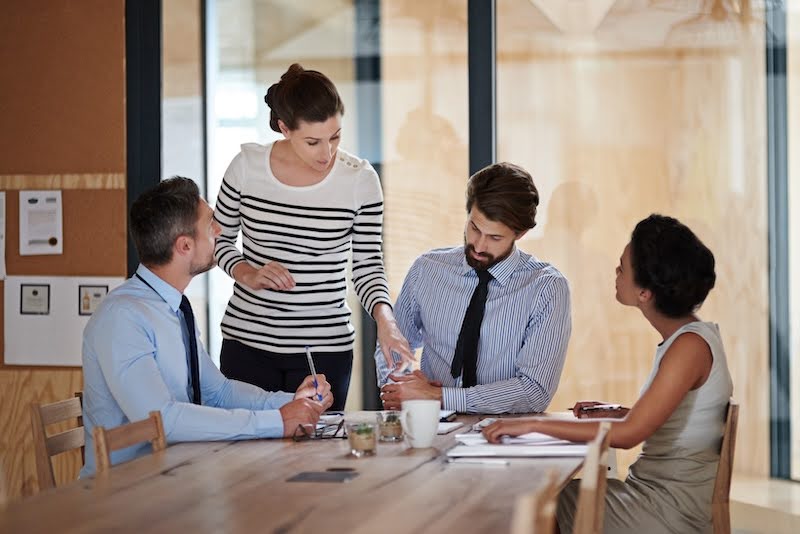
(592, 492)
(535, 512)
(3, 493)
(45, 446)
(106, 441)
(720, 508)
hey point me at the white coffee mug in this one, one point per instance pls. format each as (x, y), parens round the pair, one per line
(420, 420)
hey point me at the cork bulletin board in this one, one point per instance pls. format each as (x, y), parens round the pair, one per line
(94, 239)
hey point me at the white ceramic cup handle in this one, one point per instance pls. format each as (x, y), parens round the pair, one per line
(404, 421)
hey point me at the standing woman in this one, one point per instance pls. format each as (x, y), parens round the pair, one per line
(666, 272)
(304, 207)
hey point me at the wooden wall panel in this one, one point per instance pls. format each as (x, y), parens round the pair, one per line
(616, 117)
(63, 107)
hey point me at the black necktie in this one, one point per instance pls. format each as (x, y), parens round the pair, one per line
(466, 355)
(194, 364)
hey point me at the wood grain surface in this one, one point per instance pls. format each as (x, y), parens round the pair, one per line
(241, 487)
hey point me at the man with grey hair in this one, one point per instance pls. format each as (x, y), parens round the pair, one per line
(142, 350)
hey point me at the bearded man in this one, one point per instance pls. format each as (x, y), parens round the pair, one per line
(493, 322)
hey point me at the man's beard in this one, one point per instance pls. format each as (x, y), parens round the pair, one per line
(486, 261)
(195, 270)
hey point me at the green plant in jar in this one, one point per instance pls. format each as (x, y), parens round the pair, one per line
(362, 439)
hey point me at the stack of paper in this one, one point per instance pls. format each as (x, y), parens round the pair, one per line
(519, 451)
(533, 438)
(527, 445)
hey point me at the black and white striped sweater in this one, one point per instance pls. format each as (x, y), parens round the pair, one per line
(312, 231)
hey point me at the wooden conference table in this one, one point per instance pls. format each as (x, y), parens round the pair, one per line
(241, 487)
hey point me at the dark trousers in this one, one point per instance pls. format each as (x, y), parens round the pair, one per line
(284, 372)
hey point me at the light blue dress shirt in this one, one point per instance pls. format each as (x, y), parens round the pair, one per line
(524, 333)
(135, 361)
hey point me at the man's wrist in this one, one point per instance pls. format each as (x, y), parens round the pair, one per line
(454, 399)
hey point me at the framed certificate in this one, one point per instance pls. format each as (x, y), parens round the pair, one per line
(89, 298)
(34, 299)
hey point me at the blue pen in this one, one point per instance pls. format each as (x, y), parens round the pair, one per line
(313, 371)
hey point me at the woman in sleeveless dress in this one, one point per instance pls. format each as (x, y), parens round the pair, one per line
(666, 272)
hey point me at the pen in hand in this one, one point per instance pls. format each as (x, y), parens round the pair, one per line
(313, 372)
(610, 407)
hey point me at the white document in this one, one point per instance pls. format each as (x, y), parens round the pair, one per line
(41, 228)
(518, 451)
(533, 438)
(446, 428)
(2, 235)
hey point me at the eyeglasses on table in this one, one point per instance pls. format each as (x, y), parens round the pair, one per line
(305, 432)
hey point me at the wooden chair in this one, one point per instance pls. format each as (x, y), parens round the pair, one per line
(720, 504)
(592, 492)
(106, 441)
(45, 446)
(535, 512)
(3, 492)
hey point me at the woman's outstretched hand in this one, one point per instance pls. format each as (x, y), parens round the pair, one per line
(391, 340)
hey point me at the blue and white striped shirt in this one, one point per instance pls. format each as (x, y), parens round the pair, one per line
(524, 333)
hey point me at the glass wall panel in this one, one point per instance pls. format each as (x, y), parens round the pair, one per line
(793, 102)
(425, 128)
(182, 116)
(414, 123)
(621, 109)
(250, 44)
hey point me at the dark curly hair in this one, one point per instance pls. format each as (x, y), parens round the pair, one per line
(669, 260)
(301, 94)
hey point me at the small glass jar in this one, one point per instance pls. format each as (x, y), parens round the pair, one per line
(362, 436)
(389, 426)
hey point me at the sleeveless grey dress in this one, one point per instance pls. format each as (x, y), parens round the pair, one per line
(669, 487)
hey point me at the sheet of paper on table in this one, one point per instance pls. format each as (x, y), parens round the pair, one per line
(446, 428)
(518, 451)
(533, 438)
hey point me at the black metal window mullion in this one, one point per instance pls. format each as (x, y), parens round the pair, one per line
(143, 102)
(370, 132)
(778, 214)
(481, 39)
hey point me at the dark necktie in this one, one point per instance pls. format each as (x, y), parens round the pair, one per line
(466, 354)
(194, 364)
